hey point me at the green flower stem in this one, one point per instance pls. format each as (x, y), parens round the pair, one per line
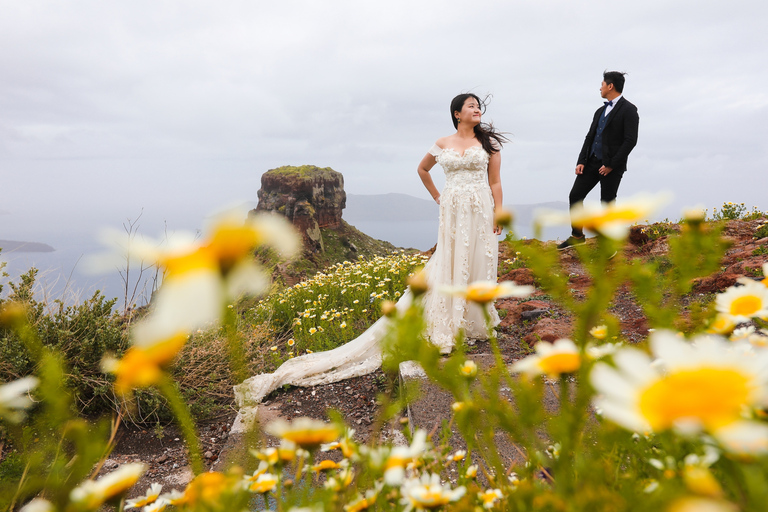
(492, 338)
(237, 360)
(184, 418)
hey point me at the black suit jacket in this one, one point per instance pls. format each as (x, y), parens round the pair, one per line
(619, 135)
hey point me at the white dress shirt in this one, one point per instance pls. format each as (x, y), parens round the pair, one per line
(608, 108)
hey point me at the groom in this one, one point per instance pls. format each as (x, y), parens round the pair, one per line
(603, 158)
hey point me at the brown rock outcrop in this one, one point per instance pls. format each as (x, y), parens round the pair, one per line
(519, 276)
(515, 310)
(638, 236)
(549, 329)
(310, 197)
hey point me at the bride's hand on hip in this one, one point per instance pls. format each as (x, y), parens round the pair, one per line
(437, 200)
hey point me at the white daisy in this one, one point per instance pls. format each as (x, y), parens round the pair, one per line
(742, 303)
(14, 396)
(704, 385)
(552, 359)
(427, 493)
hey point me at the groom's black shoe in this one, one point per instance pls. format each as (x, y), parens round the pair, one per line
(572, 241)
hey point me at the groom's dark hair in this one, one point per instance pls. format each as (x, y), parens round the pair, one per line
(616, 78)
(490, 138)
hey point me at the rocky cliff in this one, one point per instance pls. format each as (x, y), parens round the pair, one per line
(310, 197)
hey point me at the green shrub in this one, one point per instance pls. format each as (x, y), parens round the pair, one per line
(336, 305)
(661, 229)
(755, 214)
(762, 231)
(509, 264)
(83, 334)
(729, 211)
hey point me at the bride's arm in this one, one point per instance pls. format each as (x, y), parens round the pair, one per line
(426, 164)
(494, 180)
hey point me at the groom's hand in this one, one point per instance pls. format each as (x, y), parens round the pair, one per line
(604, 171)
(580, 169)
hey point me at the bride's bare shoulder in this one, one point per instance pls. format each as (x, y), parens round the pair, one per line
(444, 142)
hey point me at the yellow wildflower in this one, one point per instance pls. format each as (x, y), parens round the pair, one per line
(150, 497)
(207, 488)
(553, 359)
(490, 497)
(468, 369)
(722, 324)
(142, 365)
(325, 465)
(266, 482)
(427, 493)
(307, 433)
(742, 303)
(92, 494)
(599, 332)
(705, 385)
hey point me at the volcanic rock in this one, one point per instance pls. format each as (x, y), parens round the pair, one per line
(308, 196)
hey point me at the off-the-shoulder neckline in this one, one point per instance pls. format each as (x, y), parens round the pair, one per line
(457, 151)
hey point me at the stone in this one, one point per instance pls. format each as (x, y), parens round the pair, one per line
(516, 310)
(534, 313)
(715, 283)
(637, 236)
(548, 329)
(522, 276)
(308, 196)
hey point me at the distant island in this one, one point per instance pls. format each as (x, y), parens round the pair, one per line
(14, 246)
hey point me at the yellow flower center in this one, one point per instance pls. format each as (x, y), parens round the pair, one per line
(358, 505)
(626, 214)
(556, 364)
(232, 242)
(312, 437)
(207, 488)
(721, 325)
(430, 498)
(326, 464)
(488, 497)
(747, 305)
(396, 462)
(265, 485)
(481, 294)
(135, 370)
(120, 487)
(200, 259)
(713, 396)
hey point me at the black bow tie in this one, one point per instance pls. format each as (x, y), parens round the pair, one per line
(609, 103)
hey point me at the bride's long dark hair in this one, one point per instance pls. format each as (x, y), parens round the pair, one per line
(490, 138)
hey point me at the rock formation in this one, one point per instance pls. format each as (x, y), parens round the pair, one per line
(310, 197)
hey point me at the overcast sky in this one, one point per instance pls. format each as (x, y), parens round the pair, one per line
(108, 107)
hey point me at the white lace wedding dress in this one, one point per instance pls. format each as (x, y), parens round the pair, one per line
(467, 251)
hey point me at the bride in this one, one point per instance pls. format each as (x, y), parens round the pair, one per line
(467, 251)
